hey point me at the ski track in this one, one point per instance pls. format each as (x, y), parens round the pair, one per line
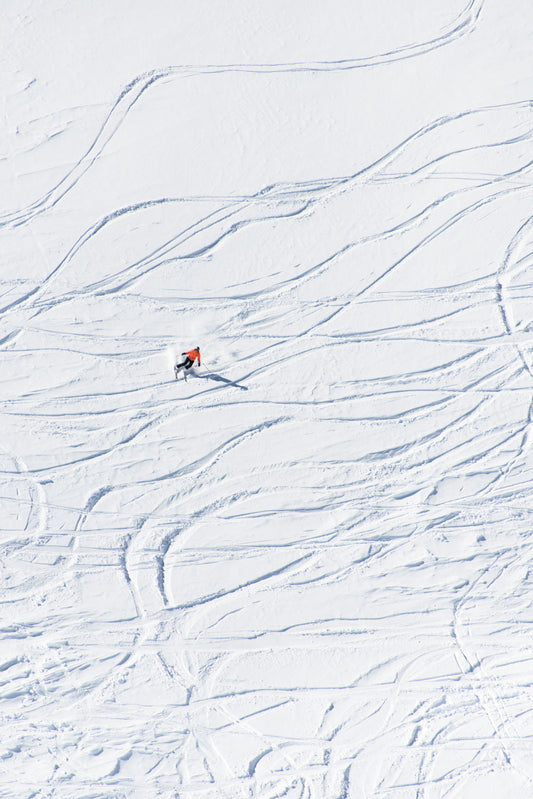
(192, 606)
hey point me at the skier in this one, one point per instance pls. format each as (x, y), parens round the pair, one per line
(190, 357)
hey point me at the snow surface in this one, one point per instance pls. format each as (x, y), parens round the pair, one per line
(304, 572)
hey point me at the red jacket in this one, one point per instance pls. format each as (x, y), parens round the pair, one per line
(193, 355)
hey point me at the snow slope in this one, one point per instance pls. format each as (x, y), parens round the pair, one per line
(305, 571)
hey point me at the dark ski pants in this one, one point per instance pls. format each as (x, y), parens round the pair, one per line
(187, 363)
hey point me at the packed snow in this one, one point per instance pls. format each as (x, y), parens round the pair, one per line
(305, 570)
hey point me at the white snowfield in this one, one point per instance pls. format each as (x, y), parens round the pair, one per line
(305, 571)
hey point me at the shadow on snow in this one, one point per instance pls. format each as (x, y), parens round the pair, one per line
(220, 379)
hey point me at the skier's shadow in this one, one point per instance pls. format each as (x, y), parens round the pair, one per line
(220, 379)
